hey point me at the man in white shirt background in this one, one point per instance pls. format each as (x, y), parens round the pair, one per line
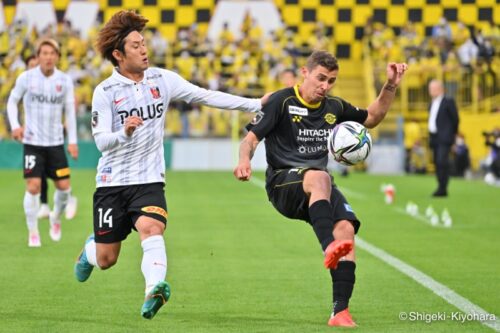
(443, 127)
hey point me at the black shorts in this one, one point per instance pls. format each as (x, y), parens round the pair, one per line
(286, 193)
(45, 161)
(117, 208)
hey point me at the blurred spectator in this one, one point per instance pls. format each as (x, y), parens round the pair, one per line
(418, 158)
(288, 77)
(412, 136)
(442, 30)
(460, 155)
(492, 162)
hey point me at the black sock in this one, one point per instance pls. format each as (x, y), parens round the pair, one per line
(43, 191)
(343, 279)
(321, 215)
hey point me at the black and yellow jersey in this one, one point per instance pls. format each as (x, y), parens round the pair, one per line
(296, 132)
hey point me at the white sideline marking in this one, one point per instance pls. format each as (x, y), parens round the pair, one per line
(439, 289)
(460, 302)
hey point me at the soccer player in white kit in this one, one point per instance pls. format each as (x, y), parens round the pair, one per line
(46, 92)
(128, 121)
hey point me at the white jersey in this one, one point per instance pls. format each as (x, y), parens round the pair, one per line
(139, 159)
(44, 99)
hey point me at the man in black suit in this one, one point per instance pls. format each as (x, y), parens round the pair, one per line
(443, 126)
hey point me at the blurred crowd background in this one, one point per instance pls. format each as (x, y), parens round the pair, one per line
(464, 56)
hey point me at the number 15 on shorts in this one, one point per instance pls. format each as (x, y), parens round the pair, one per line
(105, 217)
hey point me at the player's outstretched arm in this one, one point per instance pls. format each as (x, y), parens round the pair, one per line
(243, 170)
(378, 109)
(181, 89)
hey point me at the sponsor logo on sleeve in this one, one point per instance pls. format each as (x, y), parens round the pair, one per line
(292, 109)
(258, 117)
(348, 208)
(95, 117)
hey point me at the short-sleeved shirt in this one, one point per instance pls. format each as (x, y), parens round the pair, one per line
(296, 132)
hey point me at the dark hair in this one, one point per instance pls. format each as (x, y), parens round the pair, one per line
(289, 70)
(29, 58)
(322, 58)
(112, 35)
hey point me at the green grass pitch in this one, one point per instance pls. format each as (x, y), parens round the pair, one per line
(236, 265)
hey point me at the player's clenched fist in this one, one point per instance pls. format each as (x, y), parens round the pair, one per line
(243, 171)
(131, 123)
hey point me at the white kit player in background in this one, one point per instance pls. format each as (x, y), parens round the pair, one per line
(45, 92)
(128, 121)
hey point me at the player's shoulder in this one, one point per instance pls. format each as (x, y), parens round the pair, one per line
(281, 95)
(63, 75)
(29, 73)
(154, 73)
(336, 101)
(108, 85)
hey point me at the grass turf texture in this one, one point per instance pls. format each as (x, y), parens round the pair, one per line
(236, 265)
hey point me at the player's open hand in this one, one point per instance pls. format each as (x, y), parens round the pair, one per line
(243, 171)
(395, 72)
(131, 124)
(18, 134)
(73, 150)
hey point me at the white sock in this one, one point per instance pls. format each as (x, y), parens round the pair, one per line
(90, 252)
(154, 261)
(31, 205)
(60, 200)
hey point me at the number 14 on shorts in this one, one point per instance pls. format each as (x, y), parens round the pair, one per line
(105, 217)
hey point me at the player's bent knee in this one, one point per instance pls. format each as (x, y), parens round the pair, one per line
(33, 186)
(148, 227)
(62, 184)
(344, 229)
(317, 180)
(106, 261)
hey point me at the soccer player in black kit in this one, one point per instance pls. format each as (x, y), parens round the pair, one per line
(296, 122)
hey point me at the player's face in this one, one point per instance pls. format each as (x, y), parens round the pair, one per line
(317, 83)
(135, 59)
(47, 58)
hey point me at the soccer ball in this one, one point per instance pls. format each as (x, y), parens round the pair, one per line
(349, 143)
